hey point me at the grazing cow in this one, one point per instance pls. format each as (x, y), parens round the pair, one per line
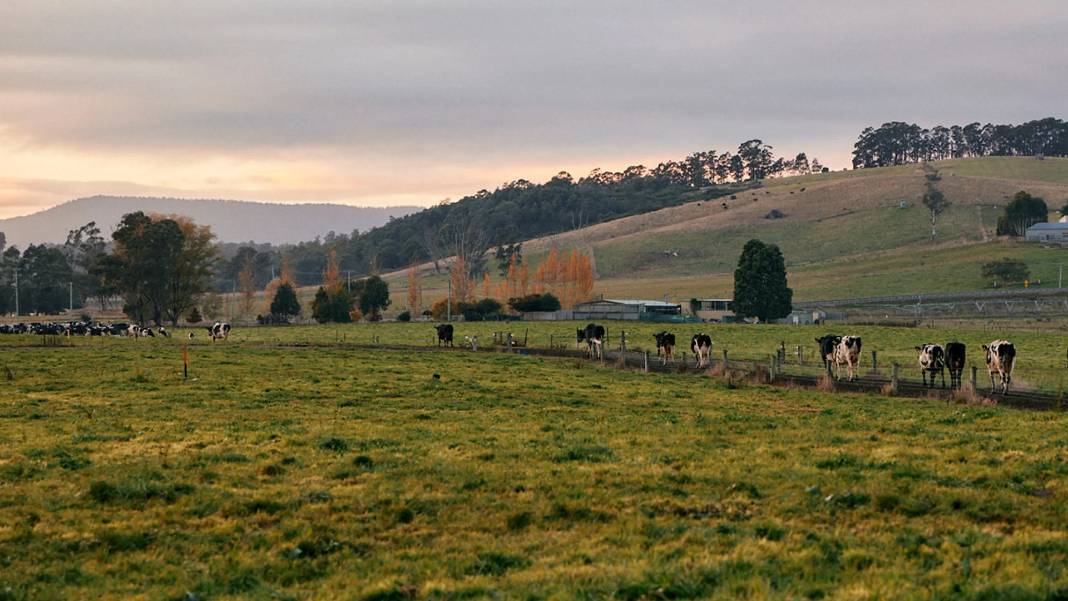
(593, 336)
(133, 330)
(847, 353)
(1000, 359)
(955, 355)
(220, 330)
(701, 345)
(444, 334)
(828, 343)
(932, 361)
(163, 332)
(665, 344)
(148, 333)
(191, 335)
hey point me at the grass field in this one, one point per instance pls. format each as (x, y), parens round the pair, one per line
(326, 473)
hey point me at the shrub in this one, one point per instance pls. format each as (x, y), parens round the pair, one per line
(405, 316)
(535, 302)
(1006, 270)
(194, 316)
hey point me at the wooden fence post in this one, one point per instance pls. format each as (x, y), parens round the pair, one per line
(724, 359)
(799, 360)
(974, 370)
(874, 361)
(622, 341)
(551, 342)
(646, 361)
(893, 378)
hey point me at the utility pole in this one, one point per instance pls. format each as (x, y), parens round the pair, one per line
(1060, 274)
(16, 290)
(70, 291)
(448, 303)
(348, 279)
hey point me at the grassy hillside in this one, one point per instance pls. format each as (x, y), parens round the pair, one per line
(844, 233)
(324, 473)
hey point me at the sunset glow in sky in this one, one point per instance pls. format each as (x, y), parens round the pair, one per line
(410, 102)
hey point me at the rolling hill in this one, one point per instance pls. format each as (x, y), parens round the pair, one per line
(231, 220)
(844, 234)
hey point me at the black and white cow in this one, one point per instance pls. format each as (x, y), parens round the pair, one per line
(444, 334)
(1000, 359)
(163, 332)
(932, 361)
(701, 345)
(219, 330)
(828, 343)
(665, 346)
(955, 355)
(593, 336)
(847, 353)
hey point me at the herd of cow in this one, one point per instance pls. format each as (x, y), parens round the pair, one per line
(216, 331)
(839, 353)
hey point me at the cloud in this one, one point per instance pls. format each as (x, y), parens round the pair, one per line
(379, 91)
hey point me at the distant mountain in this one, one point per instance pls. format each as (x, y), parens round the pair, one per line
(231, 220)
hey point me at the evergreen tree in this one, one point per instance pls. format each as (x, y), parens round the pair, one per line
(285, 302)
(321, 306)
(374, 296)
(760, 288)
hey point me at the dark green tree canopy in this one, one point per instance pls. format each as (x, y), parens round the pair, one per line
(285, 302)
(897, 143)
(1023, 212)
(332, 306)
(374, 295)
(760, 288)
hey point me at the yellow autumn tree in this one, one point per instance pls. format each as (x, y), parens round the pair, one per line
(246, 280)
(463, 286)
(415, 293)
(332, 273)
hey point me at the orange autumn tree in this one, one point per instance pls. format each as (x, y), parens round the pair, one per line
(332, 273)
(463, 286)
(415, 293)
(569, 278)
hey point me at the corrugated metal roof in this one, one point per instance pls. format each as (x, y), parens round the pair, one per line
(1049, 226)
(637, 302)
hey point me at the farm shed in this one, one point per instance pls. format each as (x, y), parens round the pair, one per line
(607, 308)
(802, 317)
(712, 309)
(1056, 233)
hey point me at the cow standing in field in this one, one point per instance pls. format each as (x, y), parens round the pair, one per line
(955, 355)
(444, 334)
(701, 345)
(1000, 359)
(665, 346)
(932, 361)
(220, 330)
(828, 343)
(847, 353)
(593, 336)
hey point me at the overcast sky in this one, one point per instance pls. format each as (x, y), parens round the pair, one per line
(410, 102)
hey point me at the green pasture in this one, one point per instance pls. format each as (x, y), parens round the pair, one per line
(333, 473)
(1042, 362)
